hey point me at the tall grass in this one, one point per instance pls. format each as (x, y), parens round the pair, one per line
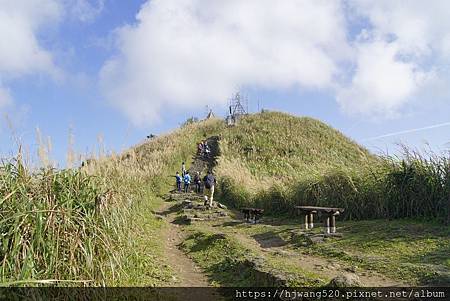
(411, 187)
(276, 161)
(51, 224)
(78, 225)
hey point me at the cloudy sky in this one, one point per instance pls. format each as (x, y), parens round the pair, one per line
(110, 70)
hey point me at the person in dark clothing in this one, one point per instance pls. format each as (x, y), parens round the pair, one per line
(178, 179)
(202, 153)
(183, 169)
(197, 182)
(209, 182)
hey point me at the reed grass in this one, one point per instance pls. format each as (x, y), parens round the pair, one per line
(50, 224)
(90, 225)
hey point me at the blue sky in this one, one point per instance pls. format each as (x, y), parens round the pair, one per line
(124, 69)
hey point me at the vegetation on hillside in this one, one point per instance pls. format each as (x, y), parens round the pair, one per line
(229, 262)
(276, 161)
(415, 252)
(95, 225)
(86, 225)
(51, 225)
(405, 250)
(274, 144)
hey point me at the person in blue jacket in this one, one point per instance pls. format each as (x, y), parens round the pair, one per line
(187, 182)
(178, 178)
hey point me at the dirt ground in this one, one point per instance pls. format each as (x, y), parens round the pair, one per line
(187, 273)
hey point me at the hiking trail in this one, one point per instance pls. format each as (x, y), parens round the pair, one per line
(188, 274)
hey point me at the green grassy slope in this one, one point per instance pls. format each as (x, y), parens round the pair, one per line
(147, 172)
(280, 145)
(275, 161)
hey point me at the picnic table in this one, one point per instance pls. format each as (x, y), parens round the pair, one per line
(330, 216)
(252, 214)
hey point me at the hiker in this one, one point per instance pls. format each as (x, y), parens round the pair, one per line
(187, 181)
(178, 178)
(183, 169)
(207, 150)
(202, 153)
(200, 148)
(197, 182)
(209, 180)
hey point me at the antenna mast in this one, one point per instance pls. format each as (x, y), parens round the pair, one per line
(237, 108)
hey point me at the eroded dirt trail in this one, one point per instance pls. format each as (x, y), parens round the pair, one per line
(187, 273)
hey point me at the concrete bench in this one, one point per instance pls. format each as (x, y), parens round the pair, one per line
(252, 214)
(330, 216)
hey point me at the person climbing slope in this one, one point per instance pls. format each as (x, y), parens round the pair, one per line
(178, 179)
(207, 150)
(183, 169)
(197, 182)
(200, 148)
(209, 181)
(202, 154)
(187, 182)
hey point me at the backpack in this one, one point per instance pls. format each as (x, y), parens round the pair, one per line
(187, 179)
(209, 181)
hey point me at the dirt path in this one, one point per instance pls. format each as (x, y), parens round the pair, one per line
(187, 273)
(327, 268)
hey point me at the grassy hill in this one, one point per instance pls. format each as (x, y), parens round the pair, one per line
(96, 225)
(279, 145)
(275, 161)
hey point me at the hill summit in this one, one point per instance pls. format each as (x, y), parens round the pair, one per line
(278, 144)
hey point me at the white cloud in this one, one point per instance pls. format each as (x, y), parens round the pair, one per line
(398, 57)
(20, 21)
(182, 54)
(419, 26)
(86, 10)
(382, 83)
(20, 52)
(187, 53)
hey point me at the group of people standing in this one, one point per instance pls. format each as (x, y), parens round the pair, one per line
(207, 188)
(185, 178)
(203, 149)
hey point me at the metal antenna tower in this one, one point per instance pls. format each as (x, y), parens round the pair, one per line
(237, 105)
(237, 109)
